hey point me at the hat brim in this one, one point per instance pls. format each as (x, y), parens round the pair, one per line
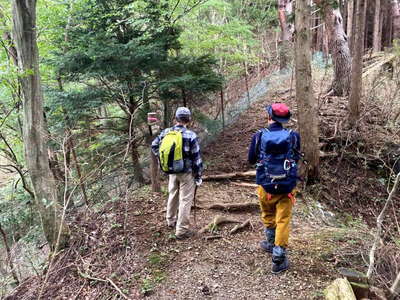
(277, 118)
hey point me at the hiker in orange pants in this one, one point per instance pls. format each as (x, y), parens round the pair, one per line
(275, 151)
(276, 213)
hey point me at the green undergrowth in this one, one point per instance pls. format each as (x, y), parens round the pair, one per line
(153, 273)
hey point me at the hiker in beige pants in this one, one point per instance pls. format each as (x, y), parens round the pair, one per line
(182, 184)
(181, 191)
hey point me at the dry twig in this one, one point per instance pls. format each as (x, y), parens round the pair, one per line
(379, 222)
(108, 280)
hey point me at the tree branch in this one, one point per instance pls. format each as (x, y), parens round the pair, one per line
(379, 222)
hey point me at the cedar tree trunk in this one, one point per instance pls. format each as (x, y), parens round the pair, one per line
(339, 46)
(285, 8)
(307, 106)
(34, 131)
(396, 19)
(377, 41)
(350, 15)
(356, 74)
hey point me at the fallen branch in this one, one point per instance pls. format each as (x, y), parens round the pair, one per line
(327, 154)
(218, 220)
(379, 222)
(377, 65)
(395, 289)
(234, 206)
(229, 175)
(238, 227)
(108, 280)
(117, 288)
(245, 184)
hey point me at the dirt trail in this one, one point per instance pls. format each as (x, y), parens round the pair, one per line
(234, 267)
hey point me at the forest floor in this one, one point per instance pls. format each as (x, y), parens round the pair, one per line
(123, 249)
(128, 243)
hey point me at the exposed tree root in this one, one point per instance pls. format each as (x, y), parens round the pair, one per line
(245, 184)
(223, 176)
(239, 227)
(212, 237)
(218, 220)
(234, 206)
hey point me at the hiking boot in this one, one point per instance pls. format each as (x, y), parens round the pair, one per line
(185, 235)
(268, 244)
(171, 225)
(280, 263)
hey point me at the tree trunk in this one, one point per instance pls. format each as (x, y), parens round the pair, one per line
(137, 168)
(184, 97)
(350, 14)
(78, 170)
(246, 80)
(339, 48)
(377, 39)
(9, 257)
(395, 288)
(396, 19)
(381, 18)
(343, 10)
(285, 8)
(135, 156)
(165, 114)
(221, 93)
(325, 44)
(35, 139)
(154, 168)
(307, 106)
(154, 165)
(356, 74)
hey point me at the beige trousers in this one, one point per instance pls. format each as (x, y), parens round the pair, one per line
(181, 192)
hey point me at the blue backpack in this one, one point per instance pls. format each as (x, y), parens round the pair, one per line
(276, 167)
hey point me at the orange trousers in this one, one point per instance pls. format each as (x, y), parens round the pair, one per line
(276, 212)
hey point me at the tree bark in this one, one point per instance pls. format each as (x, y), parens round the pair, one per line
(9, 257)
(339, 46)
(307, 106)
(387, 25)
(285, 8)
(356, 74)
(377, 37)
(350, 14)
(34, 131)
(396, 19)
(137, 168)
(78, 170)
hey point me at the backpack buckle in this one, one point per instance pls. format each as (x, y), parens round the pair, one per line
(286, 165)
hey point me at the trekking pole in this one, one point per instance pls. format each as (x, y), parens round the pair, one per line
(194, 204)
